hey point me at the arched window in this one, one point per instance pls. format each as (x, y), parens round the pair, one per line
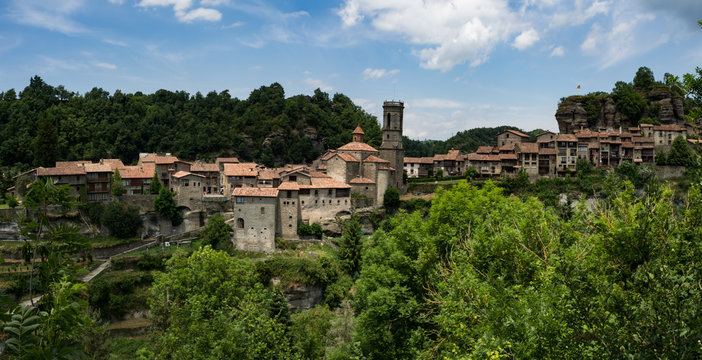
(239, 223)
(387, 122)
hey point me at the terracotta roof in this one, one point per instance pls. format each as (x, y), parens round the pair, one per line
(645, 125)
(325, 183)
(515, 132)
(586, 134)
(627, 144)
(71, 163)
(450, 155)
(136, 172)
(508, 147)
(58, 171)
(227, 160)
(483, 157)
(547, 151)
(361, 180)
(593, 145)
(672, 127)
(566, 137)
(358, 130)
(317, 174)
(484, 149)
(642, 139)
(508, 156)
(163, 160)
(289, 185)
(181, 174)
(386, 168)
(375, 159)
(158, 159)
(204, 167)
(357, 146)
(530, 148)
(114, 163)
(346, 157)
(242, 169)
(693, 141)
(328, 155)
(93, 168)
(634, 128)
(268, 174)
(419, 160)
(255, 192)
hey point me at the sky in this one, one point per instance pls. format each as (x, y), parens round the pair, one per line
(456, 64)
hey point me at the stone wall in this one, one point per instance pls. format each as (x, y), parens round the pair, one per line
(144, 202)
(669, 172)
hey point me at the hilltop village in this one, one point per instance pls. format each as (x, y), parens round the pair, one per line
(266, 203)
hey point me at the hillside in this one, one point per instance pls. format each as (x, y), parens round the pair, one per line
(267, 127)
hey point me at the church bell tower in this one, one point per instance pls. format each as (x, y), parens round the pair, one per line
(391, 148)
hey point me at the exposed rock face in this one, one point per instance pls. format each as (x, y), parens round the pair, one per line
(572, 113)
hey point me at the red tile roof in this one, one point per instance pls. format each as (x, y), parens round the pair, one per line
(93, 168)
(325, 183)
(386, 168)
(566, 137)
(227, 160)
(419, 160)
(137, 172)
(483, 157)
(255, 192)
(358, 130)
(204, 167)
(181, 174)
(114, 163)
(357, 146)
(508, 156)
(58, 171)
(268, 174)
(242, 169)
(547, 151)
(158, 159)
(71, 163)
(508, 147)
(672, 127)
(484, 149)
(361, 180)
(328, 155)
(346, 157)
(515, 132)
(375, 159)
(289, 185)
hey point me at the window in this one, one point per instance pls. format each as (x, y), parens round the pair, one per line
(239, 200)
(292, 178)
(288, 194)
(239, 223)
(330, 192)
(263, 210)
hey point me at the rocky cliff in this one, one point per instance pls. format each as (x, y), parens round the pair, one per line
(598, 110)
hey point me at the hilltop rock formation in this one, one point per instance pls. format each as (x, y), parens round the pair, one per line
(597, 111)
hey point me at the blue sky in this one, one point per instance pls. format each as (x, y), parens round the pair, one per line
(456, 64)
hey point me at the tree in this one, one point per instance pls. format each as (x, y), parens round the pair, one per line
(116, 185)
(155, 185)
(644, 78)
(471, 173)
(217, 233)
(440, 173)
(45, 149)
(122, 220)
(350, 246)
(628, 101)
(391, 199)
(680, 153)
(209, 306)
(11, 201)
(661, 158)
(166, 206)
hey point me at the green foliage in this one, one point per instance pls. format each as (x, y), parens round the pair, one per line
(350, 246)
(628, 101)
(471, 173)
(314, 229)
(208, 305)
(122, 220)
(680, 153)
(93, 211)
(644, 78)
(661, 158)
(67, 126)
(11, 201)
(637, 175)
(116, 185)
(165, 205)
(391, 199)
(217, 233)
(114, 294)
(593, 107)
(155, 185)
(309, 332)
(439, 174)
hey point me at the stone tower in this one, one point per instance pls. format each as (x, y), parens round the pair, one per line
(391, 148)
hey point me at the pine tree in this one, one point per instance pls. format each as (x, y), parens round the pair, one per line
(155, 185)
(116, 185)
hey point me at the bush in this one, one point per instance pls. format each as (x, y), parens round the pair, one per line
(391, 199)
(93, 211)
(123, 221)
(217, 232)
(307, 230)
(166, 206)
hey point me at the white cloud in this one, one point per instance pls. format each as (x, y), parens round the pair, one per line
(180, 7)
(233, 25)
(366, 104)
(105, 65)
(436, 103)
(448, 33)
(201, 14)
(115, 42)
(581, 12)
(119, 2)
(378, 73)
(213, 2)
(317, 83)
(526, 39)
(54, 16)
(558, 51)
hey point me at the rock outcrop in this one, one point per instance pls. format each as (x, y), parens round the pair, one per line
(596, 112)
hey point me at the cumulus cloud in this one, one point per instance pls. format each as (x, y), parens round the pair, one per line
(581, 12)
(526, 39)
(183, 12)
(448, 33)
(687, 10)
(558, 51)
(378, 73)
(317, 83)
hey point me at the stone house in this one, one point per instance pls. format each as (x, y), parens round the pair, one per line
(136, 179)
(255, 214)
(98, 178)
(663, 135)
(418, 166)
(210, 172)
(511, 137)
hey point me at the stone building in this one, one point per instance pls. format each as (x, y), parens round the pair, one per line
(511, 137)
(255, 214)
(391, 148)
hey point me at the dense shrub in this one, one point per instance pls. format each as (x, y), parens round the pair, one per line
(123, 221)
(313, 229)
